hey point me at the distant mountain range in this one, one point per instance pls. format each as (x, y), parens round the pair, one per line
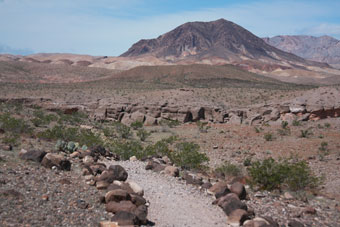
(217, 39)
(322, 49)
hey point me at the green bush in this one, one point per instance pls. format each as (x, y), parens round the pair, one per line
(284, 124)
(143, 134)
(13, 125)
(75, 118)
(82, 136)
(270, 174)
(10, 139)
(42, 119)
(305, 133)
(137, 125)
(127, 149)
(187, 156)
(122, 130)
(296, 123)
(229, 169)
(161, 148)
(268, 136)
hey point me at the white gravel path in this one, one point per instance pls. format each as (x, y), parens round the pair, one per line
(172, 202)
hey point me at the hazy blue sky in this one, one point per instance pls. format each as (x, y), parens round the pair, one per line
(110, 27)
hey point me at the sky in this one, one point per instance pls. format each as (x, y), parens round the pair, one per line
(110, 27)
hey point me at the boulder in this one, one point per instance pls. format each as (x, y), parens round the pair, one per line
(119, 172)
(222, 192)
(206, 185)
(88, 160)
(32, 155)
(115, 207)
(56, 160)
(142, 212)
(149, 121)
(138, 190)
(172, 171)
(217, 187)
(237, 217)
(101, 185)
(192, 179)
(125, 218)
(137, 116)
(138, 200)
(261, 222)
(239, 190)
(117, 195)
(97, 168)
(230, 204)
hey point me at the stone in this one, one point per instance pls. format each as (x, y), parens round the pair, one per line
(138, 200)
(206, 185)
(192, 179)
(101, 185)
(136, 188)
(260, 222)
(32, 155)
(227, 197)
(294, 223)
(237, 217)
(223, 191)
(217, 187)
(117, 195)
(88, 160)
(7, 147)
(137, 116)
(288, 196)
(133, 159)
(231, 204)
(75, 154)
(119, 172)
(172, 171)
(108, 224)
(125, 218)
(56, 160)
(82, 204)
(115, 207)
(239, 190)
(166, 160)
(309, 210)
(149, 120)
(142, 212)
(97, 168)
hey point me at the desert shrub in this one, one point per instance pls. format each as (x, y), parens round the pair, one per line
(229, 169)
(75, 118)
(323, 146)
(122, 130)
(268, 136)
(137, 125)
(82, 136)
(327, 125)
(170, 123)
(296, 123)
(14, 125)
(170, 140)
(160, 148)
(202, 126)
(127, 149)
(10, 139)
(247, 161)
(270, 174)
(284, 124)
(257, 130)
(187, 156)
(108, 132)
(143, 134)
(305, 133)
(40, 118)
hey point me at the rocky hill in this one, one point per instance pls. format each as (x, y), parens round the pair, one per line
(322, 49)
(220, 39)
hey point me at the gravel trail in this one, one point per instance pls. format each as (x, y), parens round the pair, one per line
(172, 202)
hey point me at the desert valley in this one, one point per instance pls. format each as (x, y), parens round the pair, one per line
(205, 125)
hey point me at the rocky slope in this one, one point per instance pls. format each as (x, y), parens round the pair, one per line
(217, 39)
(322, 49)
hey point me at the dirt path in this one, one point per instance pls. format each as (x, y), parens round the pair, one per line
(172, 202)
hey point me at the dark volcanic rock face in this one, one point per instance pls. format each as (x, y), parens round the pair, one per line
(322, 49)
(221, 38)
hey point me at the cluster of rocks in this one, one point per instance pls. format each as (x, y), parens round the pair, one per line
(314, 105)
(230, 196)
(122, 197)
